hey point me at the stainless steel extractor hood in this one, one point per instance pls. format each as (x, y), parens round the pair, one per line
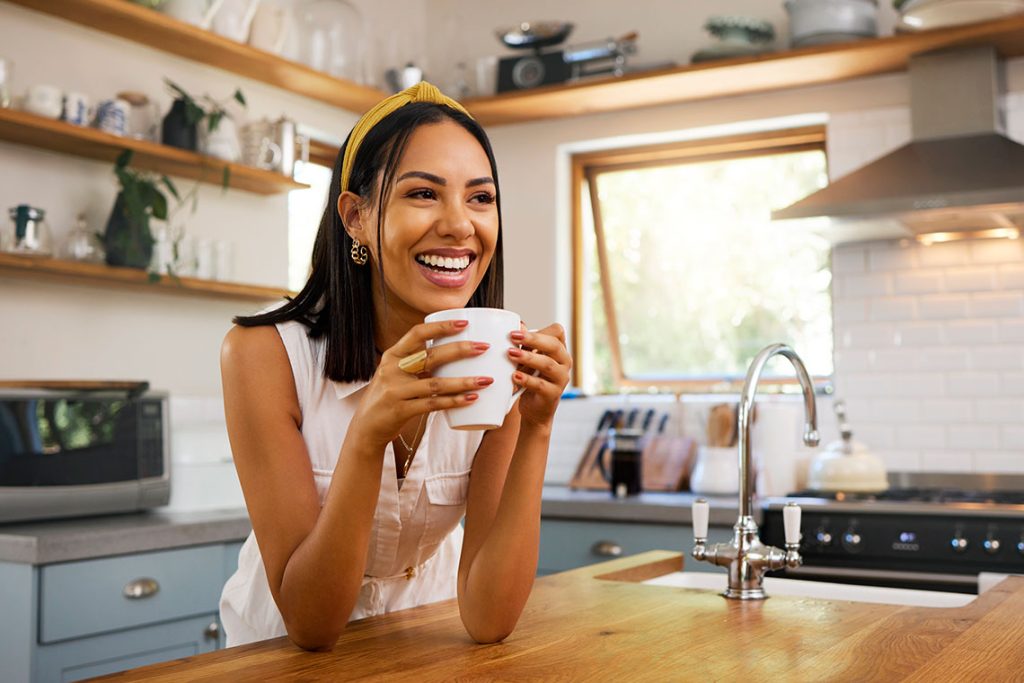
(958, 174)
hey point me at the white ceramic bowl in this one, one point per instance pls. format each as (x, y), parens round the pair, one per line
(817, 22)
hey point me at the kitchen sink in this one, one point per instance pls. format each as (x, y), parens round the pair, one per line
(820, 590)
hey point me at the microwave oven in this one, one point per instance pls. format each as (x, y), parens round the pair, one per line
(73, 449)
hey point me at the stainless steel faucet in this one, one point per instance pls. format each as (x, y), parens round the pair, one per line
(746, 557)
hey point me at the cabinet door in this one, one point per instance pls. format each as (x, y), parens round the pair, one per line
(75, 660)
(569, 543)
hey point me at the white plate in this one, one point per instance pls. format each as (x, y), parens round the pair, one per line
(921, 15)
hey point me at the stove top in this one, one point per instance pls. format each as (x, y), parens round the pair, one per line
(920, 495)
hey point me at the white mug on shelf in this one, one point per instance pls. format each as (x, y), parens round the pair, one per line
(45, 100)
(222, 142)
(493, 326)
(77, 109)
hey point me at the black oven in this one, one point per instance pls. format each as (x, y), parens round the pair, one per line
(70, 449)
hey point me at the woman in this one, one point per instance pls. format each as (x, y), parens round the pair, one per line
(354, 486)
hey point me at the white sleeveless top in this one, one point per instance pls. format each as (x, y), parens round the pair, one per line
(416, 538)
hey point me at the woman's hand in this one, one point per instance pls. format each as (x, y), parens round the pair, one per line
(394, 396)
(543, 351)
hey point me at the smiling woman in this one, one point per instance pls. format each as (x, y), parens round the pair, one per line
(355, 491)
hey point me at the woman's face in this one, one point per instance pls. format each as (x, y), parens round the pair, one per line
(440, 223)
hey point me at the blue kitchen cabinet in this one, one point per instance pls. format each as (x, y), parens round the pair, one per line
(571, 543)
(73, 620)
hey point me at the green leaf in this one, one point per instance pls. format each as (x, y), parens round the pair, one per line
(240, 98)
(159, 203)
(225, 179)
(193, 112)
(154, 277)
(170, 187)
(124, 158)
(214, 119)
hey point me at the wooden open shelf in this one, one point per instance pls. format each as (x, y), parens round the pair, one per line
(24, 128)
(161, 32)
(74, 273)
(742, 76)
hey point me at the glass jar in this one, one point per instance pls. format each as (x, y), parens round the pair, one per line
(31, 234)
(331, 36)
(83, 244)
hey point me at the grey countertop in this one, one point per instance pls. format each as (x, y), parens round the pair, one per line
(63, 540)
(559, 502)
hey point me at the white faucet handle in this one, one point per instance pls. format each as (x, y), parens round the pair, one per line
(700, 518)
(791, 523)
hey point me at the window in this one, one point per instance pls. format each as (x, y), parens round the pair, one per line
(305, 208)
(680, 276)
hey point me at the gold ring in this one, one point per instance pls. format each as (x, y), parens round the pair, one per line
(414, 363)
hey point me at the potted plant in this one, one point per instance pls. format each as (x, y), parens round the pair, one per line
(188, 114)
(128, 239)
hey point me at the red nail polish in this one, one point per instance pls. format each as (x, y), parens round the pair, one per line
(516, 353)
(472, 397)
(518, 376)
(484, 381)
(517, 336)
(459, 324)
(481, 346)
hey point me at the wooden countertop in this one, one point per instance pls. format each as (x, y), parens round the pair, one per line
(598, 623)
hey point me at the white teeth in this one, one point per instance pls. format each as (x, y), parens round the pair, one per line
(447, 262)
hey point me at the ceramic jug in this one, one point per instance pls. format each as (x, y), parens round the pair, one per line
(234, 18)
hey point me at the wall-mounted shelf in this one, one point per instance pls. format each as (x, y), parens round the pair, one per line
(742, 76)
(24, 128)
(132, 279)
(161, 32)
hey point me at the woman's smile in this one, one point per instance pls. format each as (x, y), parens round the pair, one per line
(447, 267)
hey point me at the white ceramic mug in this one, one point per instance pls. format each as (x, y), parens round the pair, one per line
(77, 109)
(45, 100)
(493, 326)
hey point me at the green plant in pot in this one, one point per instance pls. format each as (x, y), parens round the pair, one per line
(128, 239)
(188, 114)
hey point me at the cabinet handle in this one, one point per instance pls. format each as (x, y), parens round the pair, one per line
(606, 549)
(141, 588)
(212, 632)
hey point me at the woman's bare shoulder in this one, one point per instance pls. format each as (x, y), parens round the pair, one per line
(252, 344)
(254, 364)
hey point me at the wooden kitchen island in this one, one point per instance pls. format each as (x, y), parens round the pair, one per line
(599, 624)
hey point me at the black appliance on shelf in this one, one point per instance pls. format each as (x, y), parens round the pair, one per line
(930, 531)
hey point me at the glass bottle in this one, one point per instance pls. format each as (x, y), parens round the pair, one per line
(31, 233)
(83, 244)
(332, 38)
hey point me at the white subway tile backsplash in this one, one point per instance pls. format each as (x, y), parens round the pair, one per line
(1011, 384)
(997, 358)
(1011, 330)
(1011, 276)
(971, 279)
(973, 437)
(914, 384)
(947, 410)
(1008, 462)
(971, 332)
(1000, 410)
(849, 259)
(944, 254)
(943, 359)
(852, 360)
(945, 461)
(868, 336)
(877, 435)
(866, 285)
(997, 304)
(997, 251)
(884, 309)
(898, 409)
(846, 311)
(917, 282)
(921, 437)
(972, 384)
(895, 359)
(1012, 438)
(884, 257)
(900, 461)
(943, 306)
(920, 334)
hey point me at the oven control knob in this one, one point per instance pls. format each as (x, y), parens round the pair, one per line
(824, 537)
(959, 543)
(852, 540)
(991, 544)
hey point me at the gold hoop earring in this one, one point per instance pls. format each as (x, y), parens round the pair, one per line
(360, 255)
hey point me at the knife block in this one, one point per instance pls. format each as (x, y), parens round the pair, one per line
(666, 464)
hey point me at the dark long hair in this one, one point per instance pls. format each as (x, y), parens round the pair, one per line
(337, 301)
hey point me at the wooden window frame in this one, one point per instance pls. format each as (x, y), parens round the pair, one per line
(586, 167)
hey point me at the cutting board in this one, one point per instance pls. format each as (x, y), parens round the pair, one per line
(667, 462)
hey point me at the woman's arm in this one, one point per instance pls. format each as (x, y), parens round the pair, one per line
(315, 558)
(499, 553)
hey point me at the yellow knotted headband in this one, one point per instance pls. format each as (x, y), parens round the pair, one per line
(421, 92)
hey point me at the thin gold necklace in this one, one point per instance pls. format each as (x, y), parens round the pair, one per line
(411, 450)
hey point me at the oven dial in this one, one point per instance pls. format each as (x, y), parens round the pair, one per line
(991, 544)
(959, 543)
(852, 541)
